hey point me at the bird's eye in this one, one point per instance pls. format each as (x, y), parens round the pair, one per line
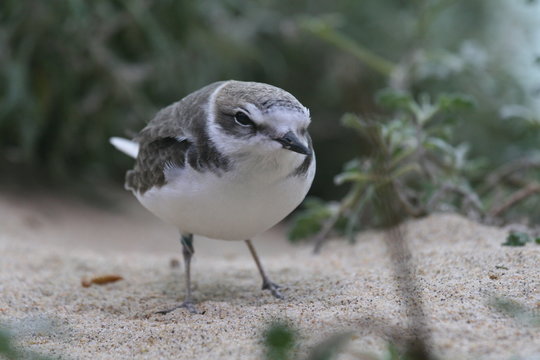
(243, 120)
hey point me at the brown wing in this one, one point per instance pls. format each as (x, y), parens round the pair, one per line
(175, 137)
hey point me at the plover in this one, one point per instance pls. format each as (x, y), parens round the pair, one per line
(227, 162)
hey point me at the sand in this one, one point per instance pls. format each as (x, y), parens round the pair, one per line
(48, 246)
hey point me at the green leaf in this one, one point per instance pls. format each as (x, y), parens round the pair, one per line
(400, 155)
(405, 169)
(434, 143)
(329, 348)
(352, 121)
(9, 351)
(353, 176)
(351, 226)
(393, 99)
(518, 311)
(517, 239)
(6, 348)
(454, 102)
(353, 165)
(279, 340)
(537, 240)
(309, 221)
(393, 352)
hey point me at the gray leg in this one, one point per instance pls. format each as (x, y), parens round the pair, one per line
(187, 252)
(267, 284)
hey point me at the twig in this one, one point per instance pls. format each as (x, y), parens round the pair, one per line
(347, 203)
(515, 198)
(507, 170)
(409, 207)
(430, 14)
(469, 196)
(322, 235)
(369, 58)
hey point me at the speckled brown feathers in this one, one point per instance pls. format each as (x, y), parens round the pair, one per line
(152, 159)
(176, 135)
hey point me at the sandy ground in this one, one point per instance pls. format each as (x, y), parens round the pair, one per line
(47, 246)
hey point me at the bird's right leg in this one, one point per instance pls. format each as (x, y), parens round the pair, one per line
(187, 252)
(267, 283)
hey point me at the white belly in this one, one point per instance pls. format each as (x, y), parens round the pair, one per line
(233, 206)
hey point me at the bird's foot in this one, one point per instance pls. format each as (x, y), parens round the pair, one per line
(274, 289)
(188, 305)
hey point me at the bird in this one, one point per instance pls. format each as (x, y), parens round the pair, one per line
(227, 162)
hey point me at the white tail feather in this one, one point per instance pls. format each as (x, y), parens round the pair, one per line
(126, 146)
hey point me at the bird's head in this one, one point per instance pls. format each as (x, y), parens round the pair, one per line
(249, 118)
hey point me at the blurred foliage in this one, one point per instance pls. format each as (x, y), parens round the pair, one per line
(6, 349)
(9, 351)
(516, 238)
(310, 220)
(76, 72)
(485, 167)
(73, 73)
(280, 340)
(525, 315)
(417, 168)
(412, 154)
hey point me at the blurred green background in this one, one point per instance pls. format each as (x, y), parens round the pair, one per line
(75, 72)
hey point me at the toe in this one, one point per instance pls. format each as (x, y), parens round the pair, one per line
(274, 289)
(188, 305)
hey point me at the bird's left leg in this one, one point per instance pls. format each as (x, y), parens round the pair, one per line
(187, 252)
(267, 284)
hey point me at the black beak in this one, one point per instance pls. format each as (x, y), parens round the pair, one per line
(291, 142)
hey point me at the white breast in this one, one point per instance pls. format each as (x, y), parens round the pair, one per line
(236, 205)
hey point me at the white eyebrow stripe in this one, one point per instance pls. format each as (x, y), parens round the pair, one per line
(288, 119)
(211, 104)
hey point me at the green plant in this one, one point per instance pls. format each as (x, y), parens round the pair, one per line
(280, 339)
(74, 73)
(9, 351)
(412, 153)
(311, 219)
(516, 238)
(417, 147)
(516, 310)
(6, 348)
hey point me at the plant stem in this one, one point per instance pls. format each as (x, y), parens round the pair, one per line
(506, 171)
(348, 202)
(515, 198)
(343, 42)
